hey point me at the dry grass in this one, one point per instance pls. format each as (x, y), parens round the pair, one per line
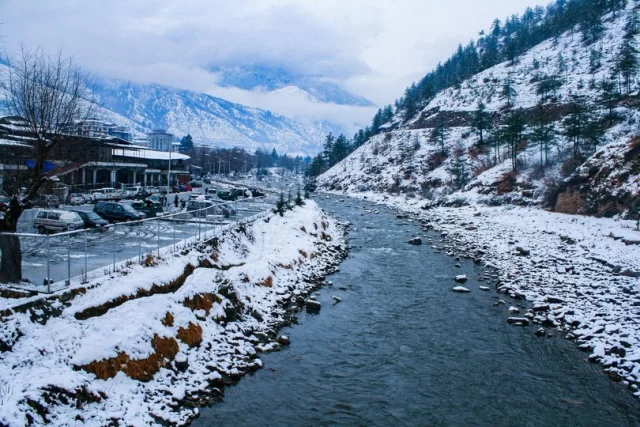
(150, 261)
(191, 335)
(303, 229)
(268, 282)
(285, 266)
(507, 183)
(214, 256)
(569, 202)
(324, 236)
(202, 302)
(168, 319)
(303, 253)
(140, 369)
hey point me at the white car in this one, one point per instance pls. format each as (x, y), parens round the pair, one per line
(53, 220)
(77, 199)
(96, 196)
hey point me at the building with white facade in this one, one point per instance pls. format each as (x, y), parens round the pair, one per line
(160, 140)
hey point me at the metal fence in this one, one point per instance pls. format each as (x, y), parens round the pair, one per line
(51, 262)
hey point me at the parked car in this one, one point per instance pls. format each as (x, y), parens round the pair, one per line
(256, 193)
(195, 184)
(209, 207)
(226, 195)
(91, 219)
(77, 199)
(201, 197)
(96, 196)
(113, 211)
(156, 198)
(112, 193)
(239, 192)
(153, 190)
(50, 220)
(148, 207)
(210, 190)
(136, 192)
(188, 187)
(46, 201)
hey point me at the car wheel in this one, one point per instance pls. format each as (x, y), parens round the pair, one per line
(41, 229)
(64, 230)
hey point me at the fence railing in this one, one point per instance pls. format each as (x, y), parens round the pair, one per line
(51, 262)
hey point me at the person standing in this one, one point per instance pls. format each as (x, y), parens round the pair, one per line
(176, 201)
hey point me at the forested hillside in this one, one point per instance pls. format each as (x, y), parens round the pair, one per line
(540, 110)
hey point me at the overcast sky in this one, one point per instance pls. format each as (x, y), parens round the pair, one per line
(373, 48)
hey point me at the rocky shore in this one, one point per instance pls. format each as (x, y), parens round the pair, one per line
(154, 342)
(566, 275)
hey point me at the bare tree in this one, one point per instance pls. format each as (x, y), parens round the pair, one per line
(51, 94)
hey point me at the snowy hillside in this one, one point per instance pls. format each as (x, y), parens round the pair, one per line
(437, 154)
(208, 119)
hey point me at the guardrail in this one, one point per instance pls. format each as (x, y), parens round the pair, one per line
(51, 262)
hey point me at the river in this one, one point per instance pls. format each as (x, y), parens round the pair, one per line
(403, 349)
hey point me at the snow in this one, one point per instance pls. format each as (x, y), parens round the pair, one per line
(52, 351)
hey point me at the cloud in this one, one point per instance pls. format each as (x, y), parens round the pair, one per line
(374, 48)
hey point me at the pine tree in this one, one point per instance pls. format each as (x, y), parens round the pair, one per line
(609, 95)
(543, 132)
(508, 91)
(439, 135)
(593, 132)
(627, 64)
(328, 149)
(481, 121)
(513, 132)
(186, 143)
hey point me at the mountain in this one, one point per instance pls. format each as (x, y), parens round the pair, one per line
(273, 78)
(558, 118)
(208, 119)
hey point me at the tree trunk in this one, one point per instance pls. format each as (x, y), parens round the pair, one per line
(11, 259)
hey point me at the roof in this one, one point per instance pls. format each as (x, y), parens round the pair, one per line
(145, 153)
(12, 143)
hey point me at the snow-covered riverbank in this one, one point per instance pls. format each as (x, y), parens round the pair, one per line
(579, 274)
(150, 344)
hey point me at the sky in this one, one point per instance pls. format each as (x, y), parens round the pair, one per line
(372, 48)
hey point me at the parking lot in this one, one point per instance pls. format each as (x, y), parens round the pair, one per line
(62, 256)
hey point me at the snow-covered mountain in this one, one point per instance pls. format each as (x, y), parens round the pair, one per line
(208, 119)
(595, 174)
(274, 78)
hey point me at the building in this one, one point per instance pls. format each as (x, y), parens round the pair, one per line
(160, 140)
(83, 163)
(96, 128)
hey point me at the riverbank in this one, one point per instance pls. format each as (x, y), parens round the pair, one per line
(153, 342)
(578, 274)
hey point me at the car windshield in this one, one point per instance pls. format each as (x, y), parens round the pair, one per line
(128, 208)
(92, 216)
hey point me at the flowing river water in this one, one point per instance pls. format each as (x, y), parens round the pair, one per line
(403, 349)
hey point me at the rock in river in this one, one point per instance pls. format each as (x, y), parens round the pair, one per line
(313, 306)
(460, 289)
(518, 321)
(461, 278)
(415, 241)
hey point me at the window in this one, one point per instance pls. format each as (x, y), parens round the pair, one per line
(42, 214)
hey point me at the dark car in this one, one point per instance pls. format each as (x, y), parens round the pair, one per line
(91, 219)
(148, 207)
(226, 195)
(239, 192)
(113, 211)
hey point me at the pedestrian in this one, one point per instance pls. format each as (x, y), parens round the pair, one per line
(164, 200)
(183, 204)
(176, 201)
(14, 208)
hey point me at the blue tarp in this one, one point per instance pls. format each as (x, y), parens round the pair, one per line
(46, 167)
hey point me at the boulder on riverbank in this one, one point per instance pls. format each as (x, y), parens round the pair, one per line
(460, 289)
(518, 321)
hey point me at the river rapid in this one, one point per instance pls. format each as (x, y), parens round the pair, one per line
(402, 349)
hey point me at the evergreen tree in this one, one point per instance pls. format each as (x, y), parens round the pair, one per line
(609, 95)
(328, 150)
(459, 169)
(481, 121)
(543, 132)
(186, 143)
(513, 132)
(627, 63)
(317, 166)
(593, 132)
(439, 135)
(573, 124)
(508, 92)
